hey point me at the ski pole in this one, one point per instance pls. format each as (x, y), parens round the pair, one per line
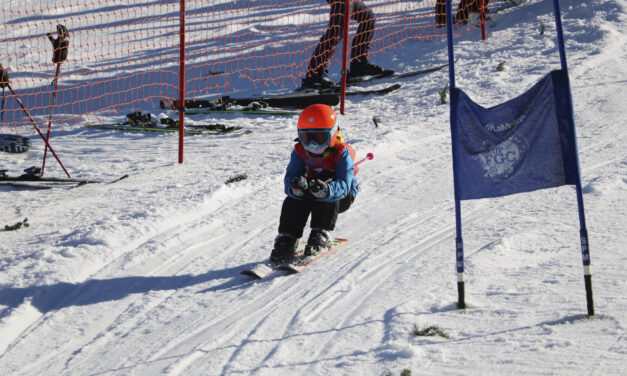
(369, 157)
(17, 99)
(59, 55)
(53, 102)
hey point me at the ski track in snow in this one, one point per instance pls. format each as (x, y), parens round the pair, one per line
(141, 277)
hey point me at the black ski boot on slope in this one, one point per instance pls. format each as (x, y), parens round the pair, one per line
(284, 248)
(366, 69)
(318, 242)
(315, 82)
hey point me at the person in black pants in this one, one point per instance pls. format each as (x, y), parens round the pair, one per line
(316, 76)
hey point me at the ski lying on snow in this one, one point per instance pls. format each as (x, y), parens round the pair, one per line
(121, 127)
(201, 129)
(245, 111)
(33, 186)
(302, 263)
(53, 183)
(32, 179)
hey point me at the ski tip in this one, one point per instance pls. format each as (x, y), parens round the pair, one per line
(343, 240)
(251, 274)
(291, 269)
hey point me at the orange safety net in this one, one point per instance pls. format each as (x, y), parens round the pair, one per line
(124, 57)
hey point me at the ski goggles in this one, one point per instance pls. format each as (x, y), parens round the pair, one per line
(316, 140)
(319, 137)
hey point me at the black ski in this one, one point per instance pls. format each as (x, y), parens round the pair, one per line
(300, 99)
(385, 90)
(196, 129)
(122, 127)
(245, 111)
(393, 75)
(297, 100)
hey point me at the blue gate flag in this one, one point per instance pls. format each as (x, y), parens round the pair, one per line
(522, 145)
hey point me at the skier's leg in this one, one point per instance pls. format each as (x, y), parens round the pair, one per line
(360, 45)
(463, 11)
(440, 13)
(323, 218)
(365, 30)
(345, 203)
(294, 215)
(326, 46)
(324, 215)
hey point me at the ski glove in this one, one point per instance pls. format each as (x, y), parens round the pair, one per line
(60, 44)
(299, 186)
(318, 188)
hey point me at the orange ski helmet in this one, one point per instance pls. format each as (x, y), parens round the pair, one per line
(318, 128)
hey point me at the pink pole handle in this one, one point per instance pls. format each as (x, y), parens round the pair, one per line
(369, 157)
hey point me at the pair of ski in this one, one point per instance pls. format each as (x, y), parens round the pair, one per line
(299, 99)
(301, 262)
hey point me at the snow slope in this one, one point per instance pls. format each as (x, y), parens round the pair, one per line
(141, 277)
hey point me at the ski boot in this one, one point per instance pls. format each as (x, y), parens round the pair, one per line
(284, 248)
(318, 242)
(316, 82)
(360, 69)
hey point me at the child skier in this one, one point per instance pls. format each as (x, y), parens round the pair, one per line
(319, 180)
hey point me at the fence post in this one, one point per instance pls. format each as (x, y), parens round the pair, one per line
(181, 103)
(583, 231)
(459, 243)
(347, 16)
(482, 16)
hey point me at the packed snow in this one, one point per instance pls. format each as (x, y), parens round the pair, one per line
(142, 276)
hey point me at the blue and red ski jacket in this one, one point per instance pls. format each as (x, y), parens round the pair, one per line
(336, 161)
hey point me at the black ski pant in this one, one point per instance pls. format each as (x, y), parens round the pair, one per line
(463, 10)
(360, 43)
(294, 214)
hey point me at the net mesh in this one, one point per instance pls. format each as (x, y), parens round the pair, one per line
(124, 55)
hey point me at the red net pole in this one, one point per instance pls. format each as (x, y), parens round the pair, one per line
(181, 106)
(347, 16)
(482, 15)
